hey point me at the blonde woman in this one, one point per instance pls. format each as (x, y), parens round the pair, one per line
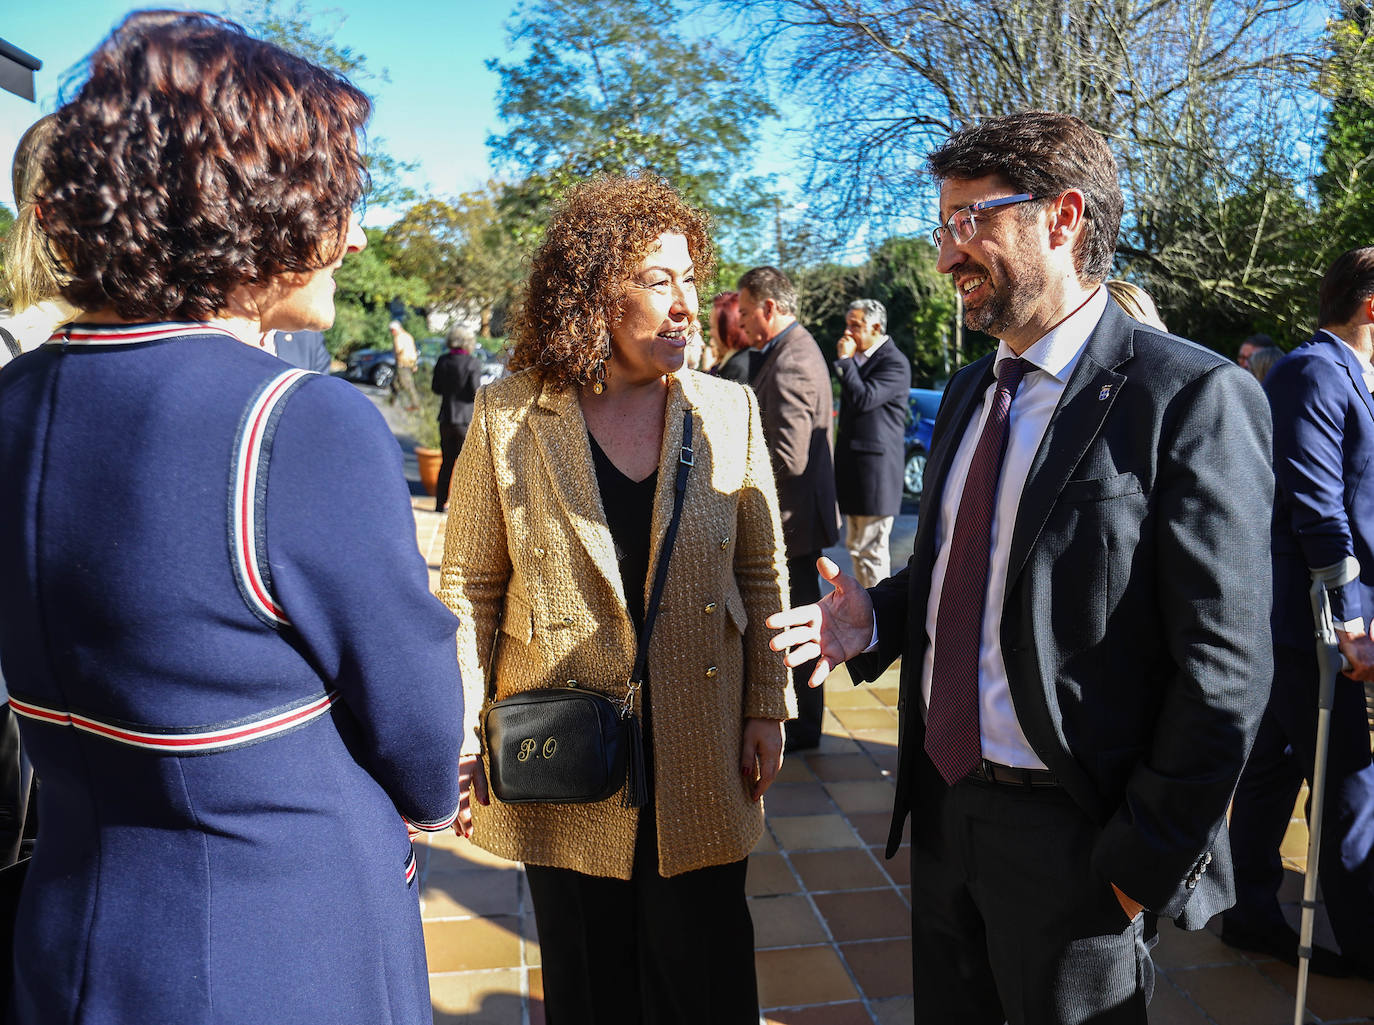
(31, 279)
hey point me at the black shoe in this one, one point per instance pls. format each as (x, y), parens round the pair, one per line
(1282, 942)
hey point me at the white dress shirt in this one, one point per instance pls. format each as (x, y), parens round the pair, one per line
(1052, 360)
(861, 357)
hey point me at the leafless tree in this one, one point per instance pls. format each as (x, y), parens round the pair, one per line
(1202, 100)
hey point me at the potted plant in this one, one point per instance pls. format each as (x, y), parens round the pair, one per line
(424, 428)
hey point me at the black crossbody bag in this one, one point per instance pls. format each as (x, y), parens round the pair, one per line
(566, 745)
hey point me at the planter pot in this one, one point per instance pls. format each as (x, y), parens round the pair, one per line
(430, 460)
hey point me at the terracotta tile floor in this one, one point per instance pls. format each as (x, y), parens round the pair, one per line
(831, 914)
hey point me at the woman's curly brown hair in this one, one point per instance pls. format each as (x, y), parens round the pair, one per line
(193, 161)
(600, 232)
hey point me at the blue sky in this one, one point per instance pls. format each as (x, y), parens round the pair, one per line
(437, 107)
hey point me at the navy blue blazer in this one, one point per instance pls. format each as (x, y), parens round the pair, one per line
(870, 449)
(1324, 492)
(1133, 626)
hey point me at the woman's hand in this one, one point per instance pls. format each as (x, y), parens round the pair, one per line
(472, 783)
(760, 755)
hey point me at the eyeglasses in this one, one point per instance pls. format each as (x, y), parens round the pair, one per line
(961, 225)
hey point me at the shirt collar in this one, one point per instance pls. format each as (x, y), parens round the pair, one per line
(772, 341)
(1057, 352)
(863, 357)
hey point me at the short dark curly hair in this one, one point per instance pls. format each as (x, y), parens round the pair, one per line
(1045, 153)
(195, 160)
(600, 232)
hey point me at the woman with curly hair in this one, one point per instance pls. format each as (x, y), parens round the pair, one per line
(567, 480)
(227, 732)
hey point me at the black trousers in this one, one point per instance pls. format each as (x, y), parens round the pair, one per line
(804, 587)
(647, 951)
(451, 438)
(1009, 922)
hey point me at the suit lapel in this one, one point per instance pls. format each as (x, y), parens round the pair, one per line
(679, 400)
(1088, 397)
(562, 435)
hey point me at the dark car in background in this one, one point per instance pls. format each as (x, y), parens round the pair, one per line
(922, 405)
(378, 366)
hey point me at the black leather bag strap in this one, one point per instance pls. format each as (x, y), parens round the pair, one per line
(684, 464)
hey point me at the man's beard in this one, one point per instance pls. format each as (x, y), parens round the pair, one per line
(1011, 301)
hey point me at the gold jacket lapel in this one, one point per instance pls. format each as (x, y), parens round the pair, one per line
(562, 435)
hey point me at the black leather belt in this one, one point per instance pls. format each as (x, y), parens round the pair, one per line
(1011, 775)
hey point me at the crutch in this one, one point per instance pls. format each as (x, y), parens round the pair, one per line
(1330, 663)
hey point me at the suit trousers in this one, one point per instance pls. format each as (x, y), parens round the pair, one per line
(1283, 756)
(804, 588)
(866, 540)
(451, 438)
(648, 950)
(1008, 920)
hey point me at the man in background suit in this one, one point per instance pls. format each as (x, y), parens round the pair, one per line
(1323, 515)
(457, 376)
(793, 387)
(870, 450)
(1082, 624)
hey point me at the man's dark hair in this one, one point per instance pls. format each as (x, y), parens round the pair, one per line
(193, 161)
(1348, 284)
(771, 283)
(1045, 154)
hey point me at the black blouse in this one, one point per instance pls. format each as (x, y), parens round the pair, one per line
(629, 506)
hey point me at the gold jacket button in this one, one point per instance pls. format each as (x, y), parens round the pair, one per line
(725, 542)
(710, 607)
(711, 672)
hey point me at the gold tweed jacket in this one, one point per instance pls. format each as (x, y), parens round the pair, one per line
(530, 569)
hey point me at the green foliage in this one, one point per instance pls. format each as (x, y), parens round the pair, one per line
(366, 283)
(6, 220)
(294, 26)
(465, 250)
(1346, 184)
(615, 85)
(900, 273)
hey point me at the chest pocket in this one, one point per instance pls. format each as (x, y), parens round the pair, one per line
(1102, 488)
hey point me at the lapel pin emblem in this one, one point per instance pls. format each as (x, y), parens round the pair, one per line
(1105, 393)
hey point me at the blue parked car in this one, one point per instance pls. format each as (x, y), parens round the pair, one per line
(922, 404)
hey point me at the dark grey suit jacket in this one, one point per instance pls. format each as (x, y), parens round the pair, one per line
(870, 450)
(1135, 623)
(792, 383)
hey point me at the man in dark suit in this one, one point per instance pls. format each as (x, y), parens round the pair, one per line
(793, 388)
(1323, 516)
(875, 379)
(1083, 622)
(457, 376)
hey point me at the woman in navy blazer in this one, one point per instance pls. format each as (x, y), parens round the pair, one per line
(229, 719)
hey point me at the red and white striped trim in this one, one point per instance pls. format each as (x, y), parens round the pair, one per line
(201, 741)
(127, 334)
(435, 826)
(410, 867)
(249, 463)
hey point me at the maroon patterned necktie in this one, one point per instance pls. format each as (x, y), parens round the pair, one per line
(953, 741)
